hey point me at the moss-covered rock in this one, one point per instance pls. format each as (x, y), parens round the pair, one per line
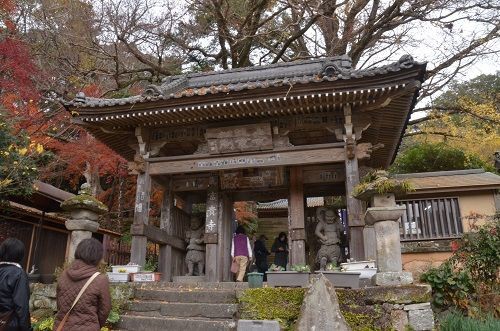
(84, 200)
(281, 304)
(364, 309)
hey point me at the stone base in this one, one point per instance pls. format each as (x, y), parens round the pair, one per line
(392, 278)
(421, 319)
(189, 279)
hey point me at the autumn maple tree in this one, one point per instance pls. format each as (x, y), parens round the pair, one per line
(20, 155)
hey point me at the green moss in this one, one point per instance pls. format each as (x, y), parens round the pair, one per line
(360, 321)
(84, 201)
(281, 304)
(378, 182)
(120, 297)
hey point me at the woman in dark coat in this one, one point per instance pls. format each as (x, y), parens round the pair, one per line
(14, 288)
(92, 310)
(261, 254)
(280, 250)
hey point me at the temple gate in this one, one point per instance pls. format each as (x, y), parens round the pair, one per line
(290, 130)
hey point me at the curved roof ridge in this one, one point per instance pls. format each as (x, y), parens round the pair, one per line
(304, 71)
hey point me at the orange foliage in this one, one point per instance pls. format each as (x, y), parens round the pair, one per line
(244, 211)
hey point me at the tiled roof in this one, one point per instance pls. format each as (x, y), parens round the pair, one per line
(51, 191)
(462, 180)
(287, 73)
(283, 203)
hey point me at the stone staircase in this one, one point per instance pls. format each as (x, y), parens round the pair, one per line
(183, 307)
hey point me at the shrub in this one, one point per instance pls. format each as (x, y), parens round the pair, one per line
(426, 157)
(471, 273)
(449, 287)
(479, 253)
(458, 322)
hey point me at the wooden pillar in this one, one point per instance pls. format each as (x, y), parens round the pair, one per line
(296, 216)
(225, 238)
(141, 216)
(212, 229)
(165, 258)
(354, 211)
(354, 206)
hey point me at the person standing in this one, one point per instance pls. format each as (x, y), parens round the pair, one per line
(93, 307)
(241, 251)
(261, 254)
(14, 287)
(280, 250)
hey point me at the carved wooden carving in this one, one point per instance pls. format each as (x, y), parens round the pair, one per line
(241, 138)
(265, 177)
(324, 174)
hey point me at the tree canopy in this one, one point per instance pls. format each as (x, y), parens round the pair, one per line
(466, 116)
(115, 48)
(426, 157)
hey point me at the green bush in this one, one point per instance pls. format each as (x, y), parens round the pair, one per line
(458, 322)
(470, 273)
(281, 304)
(46, 324)
(479, 253)
(426, 157)
(449, 287)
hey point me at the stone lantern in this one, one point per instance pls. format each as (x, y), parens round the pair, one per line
(84, 212)
(384, 215)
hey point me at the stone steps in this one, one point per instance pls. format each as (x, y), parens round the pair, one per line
(197, 286)
(208, 310)
(187, 296)
(134, 322)
(183, 307)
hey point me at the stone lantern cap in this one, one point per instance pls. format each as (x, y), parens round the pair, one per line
(379, 183)
(84, 200)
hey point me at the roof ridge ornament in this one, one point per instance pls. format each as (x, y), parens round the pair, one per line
(406, 61)
(338, 65)
(80, 97)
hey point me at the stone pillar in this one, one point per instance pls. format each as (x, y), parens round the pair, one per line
(84, 212)
(384, 215)
(369, 243)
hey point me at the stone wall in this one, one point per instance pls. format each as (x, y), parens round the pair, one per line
(398, 308)
(388, 307)
(43, 297)
(420, 256)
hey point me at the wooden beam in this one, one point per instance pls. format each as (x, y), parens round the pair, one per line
(296, 217)
(157, 235)
(316, 154)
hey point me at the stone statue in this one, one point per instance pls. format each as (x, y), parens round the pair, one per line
(196, 247)
(328, 232)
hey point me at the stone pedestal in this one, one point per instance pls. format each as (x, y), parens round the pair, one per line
(84, 212)
(384, 215)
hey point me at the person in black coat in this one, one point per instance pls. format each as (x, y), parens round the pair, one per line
(280, 250)
(14, 287)
(261, 254)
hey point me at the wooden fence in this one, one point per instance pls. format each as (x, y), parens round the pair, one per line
(429, 219)
(116, 252)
